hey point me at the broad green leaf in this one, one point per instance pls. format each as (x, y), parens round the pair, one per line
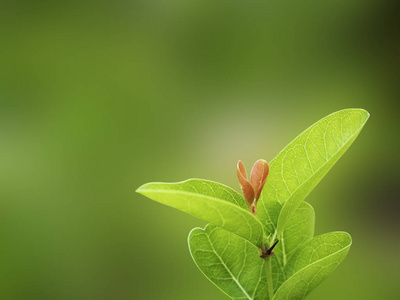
(299, 229)
(312, 263)
(231, 263)
(304, 162)
(209, 201)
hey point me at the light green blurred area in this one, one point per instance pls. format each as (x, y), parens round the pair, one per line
(99, 97)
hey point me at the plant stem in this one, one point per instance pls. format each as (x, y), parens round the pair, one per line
(269, 276)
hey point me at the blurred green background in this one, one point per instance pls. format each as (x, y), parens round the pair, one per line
(99, 97)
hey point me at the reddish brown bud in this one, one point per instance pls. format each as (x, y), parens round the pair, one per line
(259, 174)
(252, 190)
(247, 188)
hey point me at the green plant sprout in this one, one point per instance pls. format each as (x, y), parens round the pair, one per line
(234, 251)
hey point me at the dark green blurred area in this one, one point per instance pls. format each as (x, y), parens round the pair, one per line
(99, 97)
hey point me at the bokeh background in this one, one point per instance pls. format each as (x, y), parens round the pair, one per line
(99, 97)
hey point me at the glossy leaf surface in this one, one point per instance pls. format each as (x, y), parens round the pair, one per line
(304, 162)
(209, 201)
(300, 229)
(312, 263)
(229, 262)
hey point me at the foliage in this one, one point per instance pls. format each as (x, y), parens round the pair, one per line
(228, 249)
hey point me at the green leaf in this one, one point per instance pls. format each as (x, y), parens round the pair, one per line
(304, 162)
(209, 201)
(231, 263)
(312, 263)
(299, 229)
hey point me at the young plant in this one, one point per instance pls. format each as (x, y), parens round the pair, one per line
(234, 251)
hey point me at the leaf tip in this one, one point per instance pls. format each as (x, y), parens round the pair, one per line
(364, 112)
(141, 189)
(347, 236)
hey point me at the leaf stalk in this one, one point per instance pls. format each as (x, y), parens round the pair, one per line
(266, 255)
(269, 276)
